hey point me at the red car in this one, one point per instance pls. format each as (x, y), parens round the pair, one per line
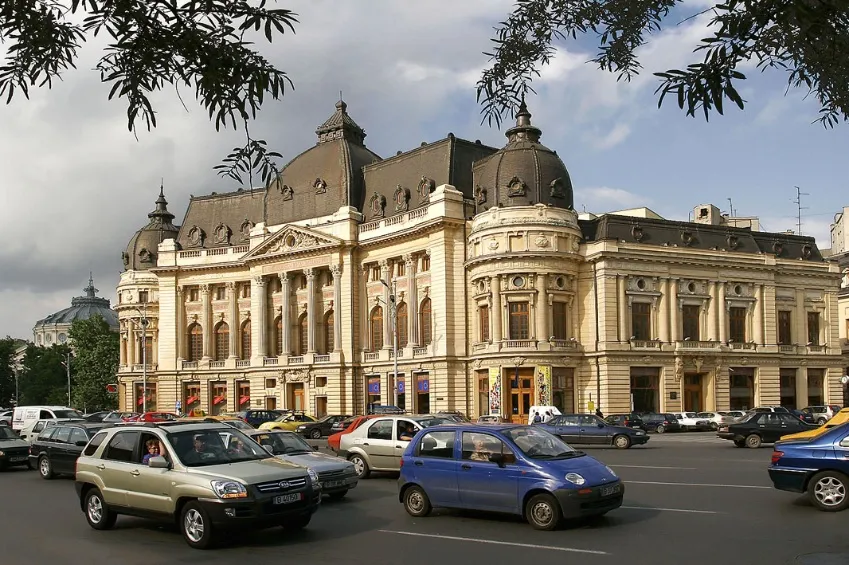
(334, 440)
(151, 417)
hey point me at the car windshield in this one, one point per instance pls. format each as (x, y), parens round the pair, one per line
(325, 419)
(748, 417)
(285, 417)
(7, 433)
(68, 414)
(200, 448)
(428, 422)
(690, 414)
(537, 443)
(238, 424)
(283, 444)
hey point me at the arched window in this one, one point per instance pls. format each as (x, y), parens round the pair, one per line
(195, 351)
(425, 327)
(303, 334)
(246, 340)
(376, 328)
(222, 341)
(401, 325)
(329, 336)
(278, 335)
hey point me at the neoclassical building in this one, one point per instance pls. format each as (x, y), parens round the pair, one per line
(499, 296)
(54, 329)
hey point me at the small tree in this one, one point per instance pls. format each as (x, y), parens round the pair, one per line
(43, 379)
(95, 363)
(7, 372)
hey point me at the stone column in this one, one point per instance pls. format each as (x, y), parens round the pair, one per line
(337, 307)
(801, 328)
(131, 343)
(365, 310)
(206, 320)
(285, 315)
(758, 321)
(181, 326)
(665, 306)
(723, 314)
(622, 301)
(802, 387)
(311, 309)
(674, 311)
(543, 309)
(259, 324)
(412, 301)
(713, 305)
(387, 321)
(234, 317)
(497, 309)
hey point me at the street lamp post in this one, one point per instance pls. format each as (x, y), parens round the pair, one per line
(144, 322)
(67, 364)
(17, 393)
(393, 308)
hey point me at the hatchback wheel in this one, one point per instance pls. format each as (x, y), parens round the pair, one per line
(360, 466)
(97, 514)
(821, 421)
(714, 426)
(753, 441)
(660, 429)
(315, 434)
(416, 502)
(45, 469)
(827, 491)
(622, 441)
(195, 525)
(543, 512)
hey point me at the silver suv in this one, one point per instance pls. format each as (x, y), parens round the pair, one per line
(204, 477)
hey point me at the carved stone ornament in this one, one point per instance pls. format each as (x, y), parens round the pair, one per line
(493, 245)
(245, 229)
(145, 256)
(222, 234)
(426, 186)
(196, 236)
(733, 241)
(542, 241)
(377, 205)
(480, 194)
(516, 187)
(287, 191)
(320, 186)
(698, 362)
(777, 248)
(125, 257)
(298, 376)
(556, 187)
(402, 199)
(637, 233)
(292, 240)
(806, 251)
(518, 361)
(679, 369)
(687, 237)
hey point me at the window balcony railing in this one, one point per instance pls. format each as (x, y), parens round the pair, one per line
(296, 360)
(190, 364)
(216, 364)
(564, 343)
(321, 359)
(787, 348)
(645, 344)
(520, 344)
(371, 355)
(241, 363)
(816, 349)
(270, 361)
(140, 367)
(741, 345)
(695, 344)
(420, 351)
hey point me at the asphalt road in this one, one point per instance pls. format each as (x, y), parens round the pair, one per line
(690, 499)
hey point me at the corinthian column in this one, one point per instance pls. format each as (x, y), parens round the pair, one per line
(259, 315)
(622, 301)
(181, 326)
(285, 315)
(497, 309)
(758, 321)
(542, 330)
(412, 301)
(387, 322)
(311, 309)
(723, 318)
(337, 307)
(234, 318)
(666, 303)
(206, 317)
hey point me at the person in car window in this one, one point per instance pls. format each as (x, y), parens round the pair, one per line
(199, 451)
(480, 453)
(152, 451)
(408, 433)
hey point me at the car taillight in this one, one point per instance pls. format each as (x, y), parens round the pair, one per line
(402, 462)
(665, 422)
(776, 455)
(627, 422)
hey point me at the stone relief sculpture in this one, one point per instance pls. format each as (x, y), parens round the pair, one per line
(287, 192)
(320, 186)
(426, 186)
(196, 236)
(377, 204)
(516, 187)
(556, 187)
(480, 194)
(402, 199)
(222, 234)
(245, 229)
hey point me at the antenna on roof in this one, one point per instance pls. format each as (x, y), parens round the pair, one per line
(730, 208)
(799, 208)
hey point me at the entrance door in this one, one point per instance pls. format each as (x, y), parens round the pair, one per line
(270, 403)
(296, 397)
(521, 396)
(693, 397)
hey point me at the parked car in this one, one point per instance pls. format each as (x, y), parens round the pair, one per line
(336, 475)
(521, 470)
(383, 409)
(816, 466)
(321, 427)
(717, 419)
(806, 417)
(822, 414)
(258, 417)
(13, 450)
(334, 441)
(96, 417)
(660, 423)
(691, 421)
(762, 427)
(6, 417)
(337, 427)
(455, 416)
(288, 421)
(780, 409)
(151, 417)
(56, 449)
(839, 419)
(207, 487)
(625, 420)
(592, 430)
(493, 419)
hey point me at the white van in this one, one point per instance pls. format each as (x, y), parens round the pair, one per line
(25, 416)
(541, 410)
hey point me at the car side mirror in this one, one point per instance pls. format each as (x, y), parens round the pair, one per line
(158, 462)
(497, 458)
(81, 443)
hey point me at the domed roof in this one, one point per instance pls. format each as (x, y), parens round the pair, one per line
(523, 172)
(141, 251)
(83, 308)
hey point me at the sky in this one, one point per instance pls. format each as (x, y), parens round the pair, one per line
(76, 184)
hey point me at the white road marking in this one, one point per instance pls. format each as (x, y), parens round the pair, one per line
(684, 510)
(493, 542)
(696, 485)
(650, 467)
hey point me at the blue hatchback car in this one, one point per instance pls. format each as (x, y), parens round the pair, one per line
(818, 466)
(513, 469)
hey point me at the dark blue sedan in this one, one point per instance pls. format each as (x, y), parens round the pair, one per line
(589, 429)
(818, 466)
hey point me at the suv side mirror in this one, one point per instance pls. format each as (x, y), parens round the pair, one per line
(158, 462)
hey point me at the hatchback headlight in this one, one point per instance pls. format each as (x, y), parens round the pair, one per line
(313, 476)
(229, 489)
(611, 471)
(2, 453)
(575, 479)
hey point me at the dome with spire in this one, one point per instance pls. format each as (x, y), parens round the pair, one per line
(141, 251)
(523, 172)
(54, 328)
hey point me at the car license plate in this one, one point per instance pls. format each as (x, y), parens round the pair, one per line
(287, 498)
(607, 491)
(18, 459)
(332, 484)
(723, 429)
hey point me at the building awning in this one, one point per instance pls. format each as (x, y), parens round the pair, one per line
(191, 400)
(243, 399)
(219, 399)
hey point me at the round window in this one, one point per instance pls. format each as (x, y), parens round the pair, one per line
(481, 286)
(518, 282)
(290, 241)
(641, 284)
(560, 282)
(691, 287)
(63, 338)
(738, 290)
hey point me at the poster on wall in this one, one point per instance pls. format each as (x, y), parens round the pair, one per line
(543, 388)
(495, 390)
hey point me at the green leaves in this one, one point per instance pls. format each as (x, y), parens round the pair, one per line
(201, 45)
(254, 156)
(807, 39)
(95, 363)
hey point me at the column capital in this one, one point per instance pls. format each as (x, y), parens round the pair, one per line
(383, 264)
(409, 260)
(336, 270)
(204, 288)
(180, 289)
(259, 281)
(284, 277)
(231, 285)
(310, 273)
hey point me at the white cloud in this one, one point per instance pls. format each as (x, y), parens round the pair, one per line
(605, 199)
(612, 138)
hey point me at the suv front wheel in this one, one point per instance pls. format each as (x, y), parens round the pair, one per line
(196, 526)
(98, 515)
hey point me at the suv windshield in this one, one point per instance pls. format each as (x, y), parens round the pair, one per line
(283, 444)
(200, 448)
(7, 433)
(537, 443)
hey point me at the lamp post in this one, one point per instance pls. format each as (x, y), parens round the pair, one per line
(17, 394)
(393, 309)
(144, 323)
(67, 364)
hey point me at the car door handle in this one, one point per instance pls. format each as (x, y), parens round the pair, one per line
(135, 473)
(399, 447)
(418, 463)
(465, 466)
(365, 444)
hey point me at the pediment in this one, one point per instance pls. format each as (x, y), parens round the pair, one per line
(293, 239)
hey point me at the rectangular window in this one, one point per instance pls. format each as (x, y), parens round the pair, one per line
(143, 294)
(558, 312)
(814, 328)
(220, 293)
(437, 444)
(244, 398)
(270, 383)
(519, 323)
(194, 295)
(375, 273)
(690, 317)
(785, 331)
(641, 321)
(218, 402)
(483, 317)
(425, 263)
(400, 269)
(737, 324)
(246, 291)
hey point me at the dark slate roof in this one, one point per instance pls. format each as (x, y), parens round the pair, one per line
(670, 233)
(523, 172)
(219, 220)
(405, 181)
(142, 250)
(83, 308)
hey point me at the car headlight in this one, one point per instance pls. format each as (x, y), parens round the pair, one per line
(611, 471)
(229, 489)
(2, 453)
(641, 433)
(313, 476)
(575, 479)
(301, 428)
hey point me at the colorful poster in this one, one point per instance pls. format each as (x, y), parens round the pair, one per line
(495, 390)
(543, 388)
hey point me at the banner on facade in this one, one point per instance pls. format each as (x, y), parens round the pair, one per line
(543, 388)
(374, 386)
(495, 390)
